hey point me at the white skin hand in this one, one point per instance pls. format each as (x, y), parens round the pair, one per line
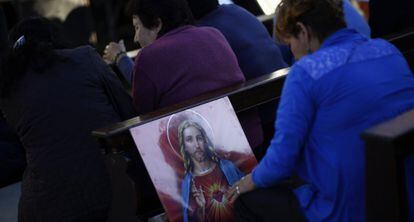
(113, 49)
(244, 185)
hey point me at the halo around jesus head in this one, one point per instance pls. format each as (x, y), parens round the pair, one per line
(175, 120)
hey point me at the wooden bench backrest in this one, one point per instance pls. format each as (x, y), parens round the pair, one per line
(387, 145)
(244, 96)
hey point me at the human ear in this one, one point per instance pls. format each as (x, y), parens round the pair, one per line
(305, 36)
(158, 28)
(303, 31)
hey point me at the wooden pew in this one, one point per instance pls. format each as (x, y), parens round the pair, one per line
(404, 41)
(387, 145)
(120, 150)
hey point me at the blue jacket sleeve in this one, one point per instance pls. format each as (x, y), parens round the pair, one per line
(126, 67)
(294, 119)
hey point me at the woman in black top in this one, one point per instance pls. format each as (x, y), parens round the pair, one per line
(53, 98)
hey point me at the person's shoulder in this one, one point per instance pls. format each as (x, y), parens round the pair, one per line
(212, 34)
(86, 49)
(233, 8)
(223, 15)
(374, 49)
(233, 12)
(326, 60)
(83, 58)
(180, 43)
(185, 36)
(200, 30)
(79, 53)
(336, 51)
(235, 22)
(323, 61)
(156, 49)
(171, 38)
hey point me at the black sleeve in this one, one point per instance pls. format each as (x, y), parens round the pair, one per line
(120, 99)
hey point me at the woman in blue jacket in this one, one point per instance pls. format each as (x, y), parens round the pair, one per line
(342, 84)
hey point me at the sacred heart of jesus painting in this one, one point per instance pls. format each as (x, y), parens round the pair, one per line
(193, 157)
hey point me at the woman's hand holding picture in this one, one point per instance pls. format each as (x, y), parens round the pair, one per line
(244, 185)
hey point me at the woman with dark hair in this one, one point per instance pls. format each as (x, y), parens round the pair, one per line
(178, 61)
(342, 84)
(53, 98)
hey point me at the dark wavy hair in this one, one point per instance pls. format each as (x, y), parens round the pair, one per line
(32, 44)
(172, 13)
(324, 17)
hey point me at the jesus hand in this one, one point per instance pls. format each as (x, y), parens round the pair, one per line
(198, 195)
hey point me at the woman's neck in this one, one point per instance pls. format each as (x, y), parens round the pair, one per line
(314, 44)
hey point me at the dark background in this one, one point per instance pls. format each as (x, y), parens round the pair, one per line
(97, 23)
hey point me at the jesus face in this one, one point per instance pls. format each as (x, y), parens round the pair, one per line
(194, 143)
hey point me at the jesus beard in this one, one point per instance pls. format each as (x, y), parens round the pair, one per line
(199, 156)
